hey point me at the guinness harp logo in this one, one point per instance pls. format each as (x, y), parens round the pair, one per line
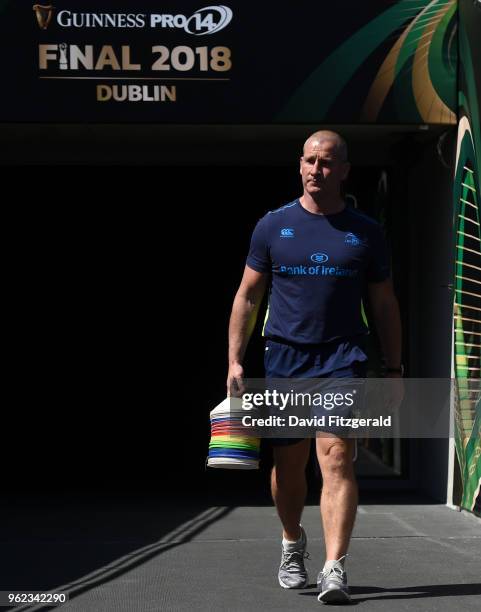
(44, 15)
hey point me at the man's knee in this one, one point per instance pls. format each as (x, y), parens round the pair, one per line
(335, 459)
(291, 461)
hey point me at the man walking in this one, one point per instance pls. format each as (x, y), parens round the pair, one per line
(316, 255)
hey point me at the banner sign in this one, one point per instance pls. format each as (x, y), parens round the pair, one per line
(467, 273)
(185, 62)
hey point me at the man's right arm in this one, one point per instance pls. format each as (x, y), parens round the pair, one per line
(242, 322)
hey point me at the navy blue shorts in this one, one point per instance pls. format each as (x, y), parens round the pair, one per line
(340, 359)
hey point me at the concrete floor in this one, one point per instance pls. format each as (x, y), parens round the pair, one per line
(152, 555)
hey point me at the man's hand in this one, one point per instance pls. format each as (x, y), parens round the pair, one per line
(235, 380)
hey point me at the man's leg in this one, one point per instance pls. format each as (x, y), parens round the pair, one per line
(339, 495)
(338, 511)
(289, 486)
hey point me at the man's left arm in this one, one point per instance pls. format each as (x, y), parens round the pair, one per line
(385, 310)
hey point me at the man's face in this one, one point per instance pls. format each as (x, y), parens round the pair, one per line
(322, 169)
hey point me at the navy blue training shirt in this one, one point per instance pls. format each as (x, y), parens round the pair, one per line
(319, 266)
